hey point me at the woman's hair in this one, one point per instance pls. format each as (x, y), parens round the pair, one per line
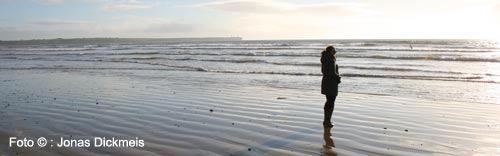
(330, 48)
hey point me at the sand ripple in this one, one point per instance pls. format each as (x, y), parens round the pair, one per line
(174, 117)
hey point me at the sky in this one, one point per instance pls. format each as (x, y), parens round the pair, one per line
(251, 19)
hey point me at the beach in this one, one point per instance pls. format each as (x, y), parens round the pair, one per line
(252, 98)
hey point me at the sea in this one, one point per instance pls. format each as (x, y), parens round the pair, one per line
(450, 70)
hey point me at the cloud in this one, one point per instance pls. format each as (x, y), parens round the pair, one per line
(62, 1)
(58, 22)
(143, 26)
(126, 7)
(281, 7)
(7, 28)
(108, 5)
(245, 6)
(150, 25)
(277, 19)
(115, 26)
(170, 27)
(51, 1)
(122, 26)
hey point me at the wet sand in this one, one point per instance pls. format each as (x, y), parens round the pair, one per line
(192, 113)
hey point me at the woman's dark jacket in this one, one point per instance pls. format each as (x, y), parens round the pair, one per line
(331, 76)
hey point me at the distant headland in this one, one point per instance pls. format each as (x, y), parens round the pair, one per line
(117, 40)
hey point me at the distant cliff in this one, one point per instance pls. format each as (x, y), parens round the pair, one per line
(117, 40)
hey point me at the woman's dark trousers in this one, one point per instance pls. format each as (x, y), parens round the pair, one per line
(329, 104)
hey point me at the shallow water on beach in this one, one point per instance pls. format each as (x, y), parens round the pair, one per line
(171, 111)
(254, 98)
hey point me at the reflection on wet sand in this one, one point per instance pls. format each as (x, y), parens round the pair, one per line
(329, 144)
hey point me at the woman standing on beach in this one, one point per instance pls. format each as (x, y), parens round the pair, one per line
(330, 82)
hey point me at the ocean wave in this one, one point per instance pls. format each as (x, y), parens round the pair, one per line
(365, 47)
(263, 72)
(312, 64)
(242, 60)
(437, 78)
(275, 54)
(152, 58)
(253, 60)
(419, 77)
(81, 68)
(131, 53)
(47, 49)
(316, 45)
(83, 53)
(434, 58)
(246, 54)
(417, 49)
(449, 78)
(9, 57)
(291, 54)
(404, 70)
(476, 78)
(122, 48)
(242, 48)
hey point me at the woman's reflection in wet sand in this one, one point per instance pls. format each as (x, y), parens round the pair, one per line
(329, 144)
